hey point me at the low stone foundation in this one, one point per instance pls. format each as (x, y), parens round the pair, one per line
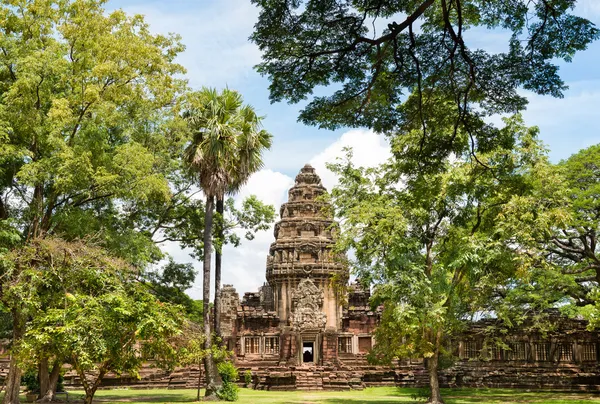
(464, 373)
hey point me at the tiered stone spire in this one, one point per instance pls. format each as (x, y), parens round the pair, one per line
(302, 249)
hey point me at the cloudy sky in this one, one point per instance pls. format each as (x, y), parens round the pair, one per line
(218, 54)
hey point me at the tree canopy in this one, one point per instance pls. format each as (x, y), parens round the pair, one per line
(225, 149)
(429, 243)
(88, 139)
(87, 309)
(393, 64)
(86, 97)
(555, 231)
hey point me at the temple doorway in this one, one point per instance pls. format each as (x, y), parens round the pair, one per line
(308, 355)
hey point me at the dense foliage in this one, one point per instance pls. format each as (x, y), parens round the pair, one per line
(429, 243)
(87, 141)
(88, 310)
(229, 375)
(91, 144)
(555, 230)
(393, 64)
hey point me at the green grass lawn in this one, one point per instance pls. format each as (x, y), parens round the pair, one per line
(379, 395)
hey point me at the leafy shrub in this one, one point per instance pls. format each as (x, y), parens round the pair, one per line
(248, 377)
(421, 394)
(229, 375)
(60, 384)
(30, 379)
(229, 392)
(228, 372)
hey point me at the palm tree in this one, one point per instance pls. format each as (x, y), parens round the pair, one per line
(252, 141)
(226, 144)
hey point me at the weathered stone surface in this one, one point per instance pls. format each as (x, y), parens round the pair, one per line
(302, 250)
(307, 302)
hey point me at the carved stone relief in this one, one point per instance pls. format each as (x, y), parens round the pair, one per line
(308, 248)
(307, 300)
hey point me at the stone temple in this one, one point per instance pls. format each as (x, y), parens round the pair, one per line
(299, 316)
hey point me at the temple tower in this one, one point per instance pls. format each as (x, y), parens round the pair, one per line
(301, 264)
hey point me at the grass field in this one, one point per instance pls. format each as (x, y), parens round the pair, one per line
(380, 395)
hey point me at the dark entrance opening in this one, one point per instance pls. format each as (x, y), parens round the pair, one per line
(308, 352)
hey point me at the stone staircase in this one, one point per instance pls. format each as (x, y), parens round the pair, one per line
(309, 379)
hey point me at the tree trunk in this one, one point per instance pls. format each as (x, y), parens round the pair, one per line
(90, 390)
(37, 207)
(3, 210)
(13, 383)
(434, 383)
(43, 376)
(218, 255)
(199, 380)
(89, 395)
(47, 394)
(209, 364)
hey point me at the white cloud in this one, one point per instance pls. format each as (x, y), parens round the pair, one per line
(369, 149)
(244, 266)
(269, 186)
(581, 101)
(566, 124)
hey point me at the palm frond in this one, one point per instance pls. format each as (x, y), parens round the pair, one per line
(226, 142)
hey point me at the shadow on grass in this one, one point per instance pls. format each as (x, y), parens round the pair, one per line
(366, 401)
(118, 397)
(471, 396)
(179, 398)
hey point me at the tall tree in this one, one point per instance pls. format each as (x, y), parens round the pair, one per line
(555, 230)
(252, 142)
(222, 138)
(427, 241)
(170, 283)
(377, 52)
(85, 131)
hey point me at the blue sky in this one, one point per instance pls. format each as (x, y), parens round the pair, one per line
(218, 54)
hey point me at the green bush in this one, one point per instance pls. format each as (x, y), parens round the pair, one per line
(248, 377)
(30, 379)
(229, 392)
(229, 375)
(60, 384)
(228, 372)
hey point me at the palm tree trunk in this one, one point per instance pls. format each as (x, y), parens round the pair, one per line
(209, 364)
(199, 381)
(218, 255)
